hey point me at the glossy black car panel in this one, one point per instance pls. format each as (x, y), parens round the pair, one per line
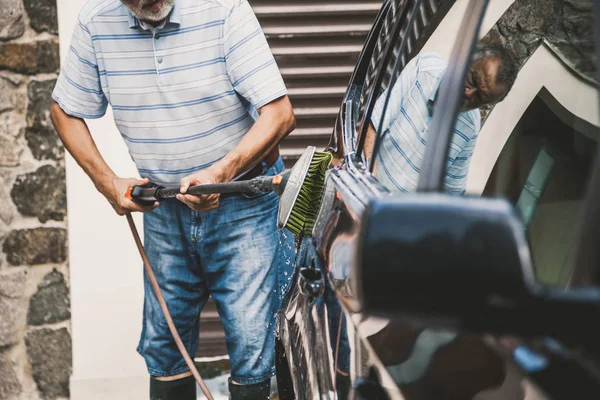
(327, 347)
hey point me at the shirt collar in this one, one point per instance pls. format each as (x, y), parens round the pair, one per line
(174, 17)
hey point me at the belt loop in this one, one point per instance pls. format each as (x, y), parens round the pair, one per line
(264, 167)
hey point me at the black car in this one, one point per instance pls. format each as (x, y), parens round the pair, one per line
(487, 295)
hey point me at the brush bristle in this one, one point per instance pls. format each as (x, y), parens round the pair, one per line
(305, 208)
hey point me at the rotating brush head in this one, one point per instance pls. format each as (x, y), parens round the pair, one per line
(303, 191)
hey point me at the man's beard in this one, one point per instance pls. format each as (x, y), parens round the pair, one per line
(147, 13)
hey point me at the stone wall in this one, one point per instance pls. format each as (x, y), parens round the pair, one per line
(566, 25)
(35, 340)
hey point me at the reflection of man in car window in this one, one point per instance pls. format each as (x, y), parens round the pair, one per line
(409, 114)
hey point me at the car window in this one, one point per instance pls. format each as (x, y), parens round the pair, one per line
(538, 145)
(406, 102)
(543, 169)
(405, 29)
(376, 61)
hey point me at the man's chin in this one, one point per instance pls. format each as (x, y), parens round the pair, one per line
(154, 15)
(150, 16)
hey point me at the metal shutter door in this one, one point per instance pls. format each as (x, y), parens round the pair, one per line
(316, 44)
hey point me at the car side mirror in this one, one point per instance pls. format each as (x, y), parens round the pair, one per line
(453, 261)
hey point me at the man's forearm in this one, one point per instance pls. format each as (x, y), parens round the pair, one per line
(276, 120)
(370, 141)
(77, 139)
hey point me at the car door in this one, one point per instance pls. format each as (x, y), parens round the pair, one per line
(317, 348)
(334, 349)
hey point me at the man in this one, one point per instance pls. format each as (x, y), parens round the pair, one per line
(408, 116)
(184, 78)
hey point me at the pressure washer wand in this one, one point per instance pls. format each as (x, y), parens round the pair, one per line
(262, 184)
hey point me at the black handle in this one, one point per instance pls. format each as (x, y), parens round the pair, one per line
(208, 188)
(148, 195)
(143, 195)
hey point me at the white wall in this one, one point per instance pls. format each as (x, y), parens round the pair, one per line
(106, 271)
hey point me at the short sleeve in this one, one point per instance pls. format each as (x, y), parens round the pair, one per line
(250, 64)
(78, 90)
(461, 151)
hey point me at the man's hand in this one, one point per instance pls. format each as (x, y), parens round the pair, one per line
(76, 137)
(205, 202)
(114, 190)
(276, 119)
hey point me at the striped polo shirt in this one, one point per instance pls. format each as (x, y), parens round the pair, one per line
(182, 94)
(408, 124)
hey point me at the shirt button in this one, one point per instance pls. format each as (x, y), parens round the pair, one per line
(160, 60)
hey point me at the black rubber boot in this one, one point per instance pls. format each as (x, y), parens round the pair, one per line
(180, 389)
(258, 391)
(342, 386)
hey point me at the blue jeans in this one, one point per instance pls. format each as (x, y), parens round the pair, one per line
(234, 254)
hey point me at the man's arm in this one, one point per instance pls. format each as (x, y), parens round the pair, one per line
(257, 79)
(276, 120)
(457, 172)
(76, 137)
(461, 152)
(370, 142)
(401, 91)
(78, 94)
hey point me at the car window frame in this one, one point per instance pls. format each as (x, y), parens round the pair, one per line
(354, 179)
(415, 45)
(434, 164)
(433, 169)
(352, 95)
(356, 184)
(362, 124)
